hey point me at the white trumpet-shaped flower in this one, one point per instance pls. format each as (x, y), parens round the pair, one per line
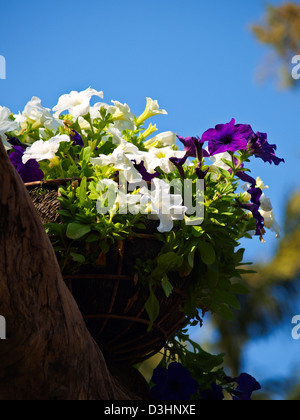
(168, 138)
(77, 103)
(44, 150)
(160, 158)
(162, 205)
(38, 116)
(152, 109)
(6, 125)
(260, 184)
(270, 222)
(122, 116)
(121, 160)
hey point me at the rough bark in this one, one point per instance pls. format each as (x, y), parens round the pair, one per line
(48, 353)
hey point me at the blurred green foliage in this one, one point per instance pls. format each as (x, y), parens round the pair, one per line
(280, 30)
(274, 294)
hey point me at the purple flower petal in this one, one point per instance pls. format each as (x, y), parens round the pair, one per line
(215, 393)
(143, 171)
(256, 194)
(14, 141)
(200, 174)
(179, 162)
(246, 386)
(30, 172)
(246, 178)
(193, 146)
(77, 139)
(227, 137)
(262, 149)
(189, 146)
(254, 208)
(174, 383)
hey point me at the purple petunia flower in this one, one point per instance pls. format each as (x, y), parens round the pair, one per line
(256, 194)
(244, 175)
(143, 171)
(189, 146)
(215, 393)
(30, 172)
(201, 174)
(77, 139)
(200, 153)
(246, 386)
(254, 208)
(246, 178)
(262, 149)
(174, 383)
(14, 141)
(179, 162)
(227, 137)
(193, 146)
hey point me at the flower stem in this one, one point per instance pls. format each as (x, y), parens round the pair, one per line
(71, 159)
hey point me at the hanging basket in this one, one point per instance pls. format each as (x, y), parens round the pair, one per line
(112, 298)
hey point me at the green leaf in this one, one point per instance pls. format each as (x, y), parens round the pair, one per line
(78, 257)
(65, 213)
(206, 362)
(191, 258)
(212, 276)
(86, 154)
(82, 191)
(223, 310)
(208, 254)
(167, 286)
(140, 226)
(152, 308)
(239, 289)
(92, 238)
(169, 261)
(104, 246)
(197, 231)
(228, 298)
(77, 231)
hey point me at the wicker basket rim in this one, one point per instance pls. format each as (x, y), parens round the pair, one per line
(59, 181)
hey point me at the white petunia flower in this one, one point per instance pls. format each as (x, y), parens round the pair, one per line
(152, 109)
(270, 222)
(164, 206)
(160, 157)
(109, 190)
(218, 163)
(38, 116)
(7, 146)
(77, 103)
(168, 138)
(95, 109)
(44, 150)
(122, 116)
(116, 135)
(120, 161)
(6, 125)
(265, 203)
(260, 184)
(246, 186)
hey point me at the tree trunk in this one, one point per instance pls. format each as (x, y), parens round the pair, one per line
(48, 352)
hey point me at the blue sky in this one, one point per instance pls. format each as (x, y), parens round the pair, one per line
(198, 58)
